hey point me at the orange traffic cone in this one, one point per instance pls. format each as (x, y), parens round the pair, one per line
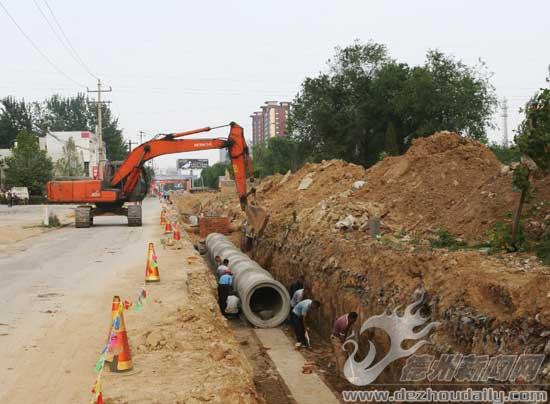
(177, 235)
(118, 352)
(167, 227)
(152, 267)
(162, 217)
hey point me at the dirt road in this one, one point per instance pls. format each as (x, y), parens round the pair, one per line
(55, 294)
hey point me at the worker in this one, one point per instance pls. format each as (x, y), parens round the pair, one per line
(10, 199)
(232, 308)
(340, 331)
(223, 268)
(217, 261)
(225, 287)
(298, 296)
(298, 317)
(298, 284)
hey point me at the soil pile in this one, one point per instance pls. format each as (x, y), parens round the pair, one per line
(443, 181)
(319, 227)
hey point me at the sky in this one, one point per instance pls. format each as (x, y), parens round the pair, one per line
(178, 65)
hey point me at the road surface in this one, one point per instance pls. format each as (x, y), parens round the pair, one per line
(55, 295)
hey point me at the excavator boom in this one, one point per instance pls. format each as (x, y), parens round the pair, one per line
(125, 179)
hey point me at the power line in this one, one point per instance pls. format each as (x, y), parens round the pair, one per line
(61, 41)
(46, 58)
(80, 60)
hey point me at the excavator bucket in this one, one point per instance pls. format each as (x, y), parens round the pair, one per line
(257, 219)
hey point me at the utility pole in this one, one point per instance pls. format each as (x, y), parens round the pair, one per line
(102, 155)
(141, 133)
(129, 146)
(504, 122)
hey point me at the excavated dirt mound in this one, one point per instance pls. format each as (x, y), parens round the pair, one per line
(319, 227)
(443, 181)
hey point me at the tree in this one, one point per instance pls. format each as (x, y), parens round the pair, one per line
(533, 142)
(15, 115)
(277, 155)
(71, 164)
(76, 114)
(211, 174)
(28, 166)
(368, 103)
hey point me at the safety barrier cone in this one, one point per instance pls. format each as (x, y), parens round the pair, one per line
(152, 267)
(162, 217)
(118, 353)
(177, 235)
(167, 227)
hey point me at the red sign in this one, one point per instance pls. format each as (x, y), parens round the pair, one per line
(85, 135)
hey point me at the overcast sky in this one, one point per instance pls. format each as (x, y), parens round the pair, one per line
(177, 65)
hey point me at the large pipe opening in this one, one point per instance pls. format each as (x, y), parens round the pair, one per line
(265, 302)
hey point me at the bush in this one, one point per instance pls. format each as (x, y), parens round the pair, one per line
(500, 237)
(446, 240)
(54, 221)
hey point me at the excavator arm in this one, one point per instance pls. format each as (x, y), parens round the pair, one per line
(130, 171)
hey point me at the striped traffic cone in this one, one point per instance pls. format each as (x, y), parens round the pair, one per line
(152, 267)
(167, 227)
(118, 353)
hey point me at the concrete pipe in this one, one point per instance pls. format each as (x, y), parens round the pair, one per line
(264, 301)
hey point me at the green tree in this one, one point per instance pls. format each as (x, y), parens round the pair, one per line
(28, 166)
(368, 103)
(506, 154)
(533, 142)
(71, 164)
(211, 174)
(76, 113)
(277, 155)
(15, 115)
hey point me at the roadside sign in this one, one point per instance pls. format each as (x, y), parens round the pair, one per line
(192, 164)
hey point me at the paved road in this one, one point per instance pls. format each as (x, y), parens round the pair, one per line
(55, 293)
(23, 221)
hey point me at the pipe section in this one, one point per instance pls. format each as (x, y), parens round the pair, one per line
(264, 301)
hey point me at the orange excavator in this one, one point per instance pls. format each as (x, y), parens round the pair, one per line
(123, 185)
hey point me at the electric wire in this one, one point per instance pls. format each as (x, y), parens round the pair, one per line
(81, 61)
(35, 46)
(59, 38)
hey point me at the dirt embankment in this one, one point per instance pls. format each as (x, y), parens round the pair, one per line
(318, 226)
(183, 349)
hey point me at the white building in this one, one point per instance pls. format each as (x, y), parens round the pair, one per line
(86, 144)
(4, 153)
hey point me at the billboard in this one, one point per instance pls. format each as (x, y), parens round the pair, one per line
(192, 164)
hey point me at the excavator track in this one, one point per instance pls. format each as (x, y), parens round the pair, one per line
(83, 217)
(134, 215)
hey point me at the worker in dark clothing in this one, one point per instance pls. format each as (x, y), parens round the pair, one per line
(298, 284)
(225, 287)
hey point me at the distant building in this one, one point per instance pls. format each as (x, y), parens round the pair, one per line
(4, 153)
(86, 144)
(270, 121)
